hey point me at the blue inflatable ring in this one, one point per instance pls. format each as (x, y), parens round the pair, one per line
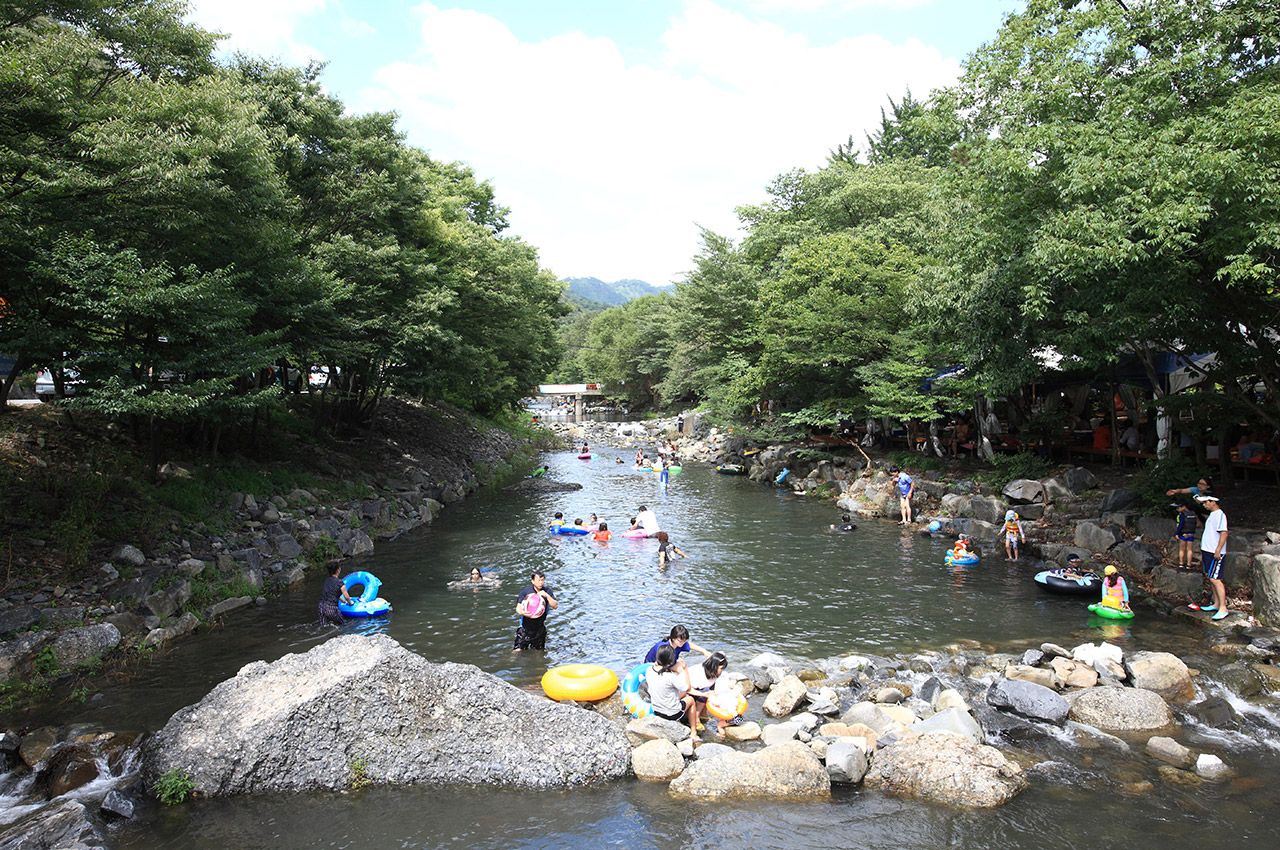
(569, 529)
(368, 603)
(631, 691)
(960, 560)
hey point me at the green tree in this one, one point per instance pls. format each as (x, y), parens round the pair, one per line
(1118, 191)
(713, 326)
(836, 306)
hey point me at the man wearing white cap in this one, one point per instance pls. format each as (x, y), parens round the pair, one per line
(1213, 543)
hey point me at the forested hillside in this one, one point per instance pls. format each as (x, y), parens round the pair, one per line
(609, 294)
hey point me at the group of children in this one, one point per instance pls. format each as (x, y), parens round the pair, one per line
(597, 529)
(679, 692)
(644, 521)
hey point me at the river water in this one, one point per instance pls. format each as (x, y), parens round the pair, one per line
(762, 573)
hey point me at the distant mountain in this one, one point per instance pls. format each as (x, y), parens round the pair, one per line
(592, 289)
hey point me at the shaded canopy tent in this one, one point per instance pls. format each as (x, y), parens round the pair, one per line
(1161, 373)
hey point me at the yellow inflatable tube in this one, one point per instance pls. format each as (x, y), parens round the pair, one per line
(726, 705)
(579, 682)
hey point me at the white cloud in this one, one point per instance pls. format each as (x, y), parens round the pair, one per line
(260, 27)
(802, 6)
(610, 162)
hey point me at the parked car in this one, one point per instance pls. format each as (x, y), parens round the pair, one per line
(45, 390)
(318, 377)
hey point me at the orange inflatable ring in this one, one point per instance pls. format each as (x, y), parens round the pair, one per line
(579, 682)
(726, 705)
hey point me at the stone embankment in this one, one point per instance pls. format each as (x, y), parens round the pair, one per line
(273, 541)
(1062, 515)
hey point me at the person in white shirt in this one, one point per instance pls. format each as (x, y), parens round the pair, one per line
(1213, 545)
(669, 689)
(646, 520)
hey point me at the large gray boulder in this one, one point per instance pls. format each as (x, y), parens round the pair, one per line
(1079, 479)
(1097, 538)
(1118, 500)
(64, 825)
(657, 761)
(1029, 700)
(954, 720)
(1121, 709)
(1266, 590)
(304, 722)
(785, 696)
(1157, 527)
(990, 510)
(947, 769)
(76, 646)
(1173, 581)
(785, 770)
(19, 618)
(17, 655)
(1162, 672)
(846, 762)
(1139, 556)
(1025, 490)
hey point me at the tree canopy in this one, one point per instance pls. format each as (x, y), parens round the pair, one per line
(175, 230)
(1099, 185)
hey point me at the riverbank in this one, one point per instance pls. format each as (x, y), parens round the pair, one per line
(105, 564)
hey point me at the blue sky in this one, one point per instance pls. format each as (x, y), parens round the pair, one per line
(613, 130)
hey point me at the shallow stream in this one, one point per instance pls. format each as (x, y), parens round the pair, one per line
(762, 573)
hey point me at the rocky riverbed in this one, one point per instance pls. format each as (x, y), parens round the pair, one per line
(959, 726)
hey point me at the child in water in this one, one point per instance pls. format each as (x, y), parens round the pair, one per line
(1115, 593)
(846, 524)
(602, 533)
(1012, 535)
(666, 549)
(556, 521)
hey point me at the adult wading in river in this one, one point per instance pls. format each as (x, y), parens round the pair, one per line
(532, 606)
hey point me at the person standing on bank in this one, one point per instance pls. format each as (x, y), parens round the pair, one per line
(1213, 545)
(906, 488)
(532, 605)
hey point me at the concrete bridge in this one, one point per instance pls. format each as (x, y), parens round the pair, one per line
(578, 391)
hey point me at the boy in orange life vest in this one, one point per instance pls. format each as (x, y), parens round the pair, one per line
(1012, 535)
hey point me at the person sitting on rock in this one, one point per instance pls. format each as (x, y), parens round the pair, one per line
(679, 642)
(1115, 593)
(668, 681)
(703, 679)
